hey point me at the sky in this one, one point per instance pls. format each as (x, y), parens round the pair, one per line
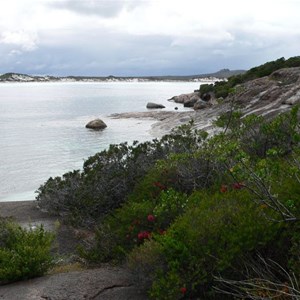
(144, 37)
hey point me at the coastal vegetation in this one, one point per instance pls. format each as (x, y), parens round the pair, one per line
(195, 216)
(192, 215)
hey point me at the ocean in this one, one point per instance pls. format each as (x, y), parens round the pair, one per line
(42, 126)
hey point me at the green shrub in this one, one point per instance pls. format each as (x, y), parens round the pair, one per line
(170, 205)
(23, 253)
(207, 240)
(109, 177)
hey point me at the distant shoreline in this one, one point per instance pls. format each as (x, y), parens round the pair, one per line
(28, 79)
(216, 76)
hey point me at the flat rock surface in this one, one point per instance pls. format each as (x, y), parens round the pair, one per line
(114, 283)
(104, 283)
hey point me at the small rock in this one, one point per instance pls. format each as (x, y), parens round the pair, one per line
(154, 105)
(96, 124)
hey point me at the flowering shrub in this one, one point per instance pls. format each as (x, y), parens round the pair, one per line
(184, 209)
(209, 239)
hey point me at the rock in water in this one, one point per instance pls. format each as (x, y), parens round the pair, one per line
(154, 105)
(96, 124)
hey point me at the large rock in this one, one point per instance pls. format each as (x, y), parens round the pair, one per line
(200, 104)
(152, 105)
(96, 124)
(191, 101)
(185, 98)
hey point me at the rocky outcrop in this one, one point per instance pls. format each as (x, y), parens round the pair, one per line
(96, 124)
(186, 98)
(191, 101)
(194, 100)
(151, 105)
(270, 94)
(267, 96)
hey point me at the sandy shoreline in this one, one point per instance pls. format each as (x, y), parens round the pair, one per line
(22, 211)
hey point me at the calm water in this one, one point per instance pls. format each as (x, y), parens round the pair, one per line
(42, 126)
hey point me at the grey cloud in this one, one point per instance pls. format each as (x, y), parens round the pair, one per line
(103, 8)
(102, 53)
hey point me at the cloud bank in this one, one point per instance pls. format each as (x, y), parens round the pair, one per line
(163, 37)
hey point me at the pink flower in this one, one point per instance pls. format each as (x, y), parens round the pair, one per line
(151, 218)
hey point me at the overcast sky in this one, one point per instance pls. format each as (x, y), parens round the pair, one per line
(145, 37)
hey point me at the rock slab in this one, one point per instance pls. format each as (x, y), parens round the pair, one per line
(108, 283)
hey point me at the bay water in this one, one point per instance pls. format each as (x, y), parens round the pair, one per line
(42, 126)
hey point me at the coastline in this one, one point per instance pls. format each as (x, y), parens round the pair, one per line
(27, 214)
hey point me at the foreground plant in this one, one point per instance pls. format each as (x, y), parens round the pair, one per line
(24, 253)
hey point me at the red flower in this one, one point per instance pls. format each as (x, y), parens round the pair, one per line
(147, 235)
(223, 188)
(183, 290)
(151, 218)
(237, 185)
(144, 235)
(141, 235)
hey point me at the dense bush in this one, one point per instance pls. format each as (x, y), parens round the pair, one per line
(110, 176)
(191, 213)
(217, 236)
(209, 239)
(23, 253)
